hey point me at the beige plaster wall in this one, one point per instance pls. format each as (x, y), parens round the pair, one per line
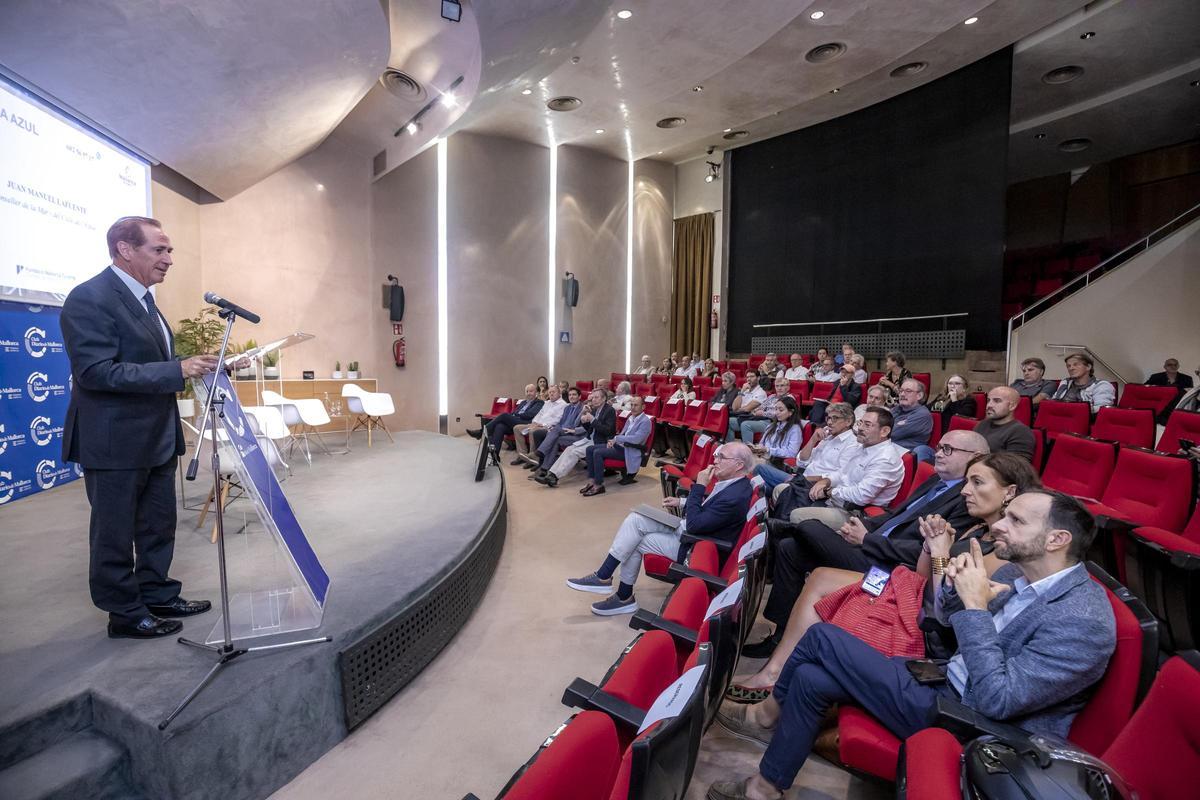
(654, 241)
(181, 294)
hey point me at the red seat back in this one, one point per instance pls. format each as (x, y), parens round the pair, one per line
(926, 379)
(646, 667)
(643, 389)
(906, 483)
(1131, 426)
(585, 386)
(664, 392)
(1024, 411)
(1155, 398)
(1158, 751)
(687, 603)
(1059, 416)
(694, 412)
(700, 455)
(754, 361)
(1080, 466)
(980, 404)
(616, 377)
(502, 405)
(738, 365)
(652, 405)
(622, 418)
(579, 762)
(672, 410)
(717, 418)
(873, 379)
(822, 390)
(1181, 424)
(1151, 488)
(705, 391)
(960, 423)
(658, 377)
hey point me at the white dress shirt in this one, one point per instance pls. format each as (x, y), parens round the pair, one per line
(830, 454)
(832, 376)
(139, 292)
(758, 394)
(870, 477)
(551, 413)
(799, 373)
(622, 402)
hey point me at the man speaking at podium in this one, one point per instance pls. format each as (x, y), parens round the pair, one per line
(123, 429)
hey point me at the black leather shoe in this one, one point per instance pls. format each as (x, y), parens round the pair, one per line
(148, 627)
(550, 480)
(517, 462)
(474, 433)
(628, 479)
(180, 608)
(762, 649)
(779, 529)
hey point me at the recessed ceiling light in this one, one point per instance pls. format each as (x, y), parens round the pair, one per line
(527, 91)
(1088, 35)
(697, 88)
(624, 13)
(834, 91)
(599, 130)
(1040, 136)
(412, 128)
(1194, 83)
(911, 68)
(727, 130)
(816, 15)
(659, 153)
(1074, 145)
(1062, 74)
(564, 103)
(671, 122)
(449, 100)
(970, 20)
(320, 187)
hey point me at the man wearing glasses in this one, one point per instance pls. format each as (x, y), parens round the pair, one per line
(719, 513)
(885, 541)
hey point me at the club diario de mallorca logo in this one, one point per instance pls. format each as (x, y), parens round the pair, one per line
(48, 473)
(10, 488)
(37, 345)
(37, 386)
(41, 431)
(8, 440)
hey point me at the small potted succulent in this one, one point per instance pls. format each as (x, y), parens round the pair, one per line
(337, 370)
(271, 365)
(246, 373)
(353, 370)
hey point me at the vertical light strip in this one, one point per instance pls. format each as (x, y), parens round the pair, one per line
(551, 262)
(442, 292)
(629, 268)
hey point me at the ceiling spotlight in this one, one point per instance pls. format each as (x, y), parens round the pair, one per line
(714, 171)
(449, 100)
(970, 20)
(659, 153)
(816, 15)
(1074, 145)
(527, 91)
(834, 91)
(1040, 136)
(727, 130)
(412, 128)
(624, 13)
(697, 88)
(1194, 84)
(599, 130)
(1088, 35)
(452, 10)
(320, 187)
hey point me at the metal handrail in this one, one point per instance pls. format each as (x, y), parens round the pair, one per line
(859, 321)
(1085, 349)
(1109, 264)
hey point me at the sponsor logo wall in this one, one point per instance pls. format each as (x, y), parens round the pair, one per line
(35, 387)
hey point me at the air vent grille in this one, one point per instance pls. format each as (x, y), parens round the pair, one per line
(402, 85)
(825, 52)
(671, 122)
(1062, 74)
(565, 103)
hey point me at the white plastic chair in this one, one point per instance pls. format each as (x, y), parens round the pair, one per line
(267, 422)
(303, 417)
(370, 407)
(204, 475)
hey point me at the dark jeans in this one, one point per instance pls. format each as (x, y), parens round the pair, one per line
(502, 426)
(830, 666)
(793, 497)
(813, 545)
(133, 512)
(595, 460)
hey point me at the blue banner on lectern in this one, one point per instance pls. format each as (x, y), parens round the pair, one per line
(35, 387)
(267, 491)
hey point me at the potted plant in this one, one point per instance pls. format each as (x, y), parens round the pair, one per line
(337, 370)
(353, 370)
(196, 336)
(271, 364)
(246, 373)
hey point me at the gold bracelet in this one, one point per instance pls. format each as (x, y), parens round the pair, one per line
(939, 564)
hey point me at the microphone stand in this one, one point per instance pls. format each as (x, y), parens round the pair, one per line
(226, 652)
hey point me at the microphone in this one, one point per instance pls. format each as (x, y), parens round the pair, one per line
(221, 302)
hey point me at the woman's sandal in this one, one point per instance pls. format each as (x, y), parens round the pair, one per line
(747, 694)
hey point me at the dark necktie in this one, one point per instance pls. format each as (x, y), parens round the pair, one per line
(910, 512)
(152, 310)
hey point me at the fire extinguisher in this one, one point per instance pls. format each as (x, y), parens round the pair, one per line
(398, 351)
(714, 320)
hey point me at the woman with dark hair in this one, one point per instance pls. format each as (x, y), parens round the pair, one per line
(781, 441)
(894, 374)
(686, 392)
(543, 383)
(992, 480)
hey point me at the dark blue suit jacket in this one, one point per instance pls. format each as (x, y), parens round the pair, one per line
(723, 516)
(122, 413)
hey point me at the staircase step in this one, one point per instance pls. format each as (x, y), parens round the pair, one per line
(86, 764)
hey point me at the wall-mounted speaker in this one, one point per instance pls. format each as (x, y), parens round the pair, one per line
(570, 290)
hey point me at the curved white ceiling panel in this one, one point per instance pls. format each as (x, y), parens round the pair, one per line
(225, 92)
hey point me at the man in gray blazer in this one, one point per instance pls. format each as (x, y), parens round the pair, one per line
(1033, 639)
(629, 444)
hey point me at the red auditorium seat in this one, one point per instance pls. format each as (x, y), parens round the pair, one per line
(644, 389)
(1155, 398)
(1129, 426)
(960, 423)
(716, 421)
(672, 410)
(1056, 268)
(821, 390)
(980, 404)
(1046, 286)
(615, 379)
(738, 365)
(915, 473)
(873, 379)
(652, 406)
(801, 391)
(1080, 466)
(705, 391)
(754, 361)
(1039, 448)
(658, 378)
(865, 745)
(807, 359)
(699, 456)
(1059, 416)
(1180, 425)
(578, 762)
(585, 386)
(500, 405)
(926, 380)
(1163, 568)
(1024, 411)
(1157, 752)
(665, 391)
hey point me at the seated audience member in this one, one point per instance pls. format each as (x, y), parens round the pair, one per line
(860, 373)
(846, 391)
(599, 422)
(827, 450)
(1081, 384)
(870, 476)
(686, 392)
(822, 354)
(719, 513)
(1170, 376)
(1004, 432)
(991, 482)
(894, 374)
(876, 396)
(797, 371)
(529, 445)
(622, 398)
(709, 370)
(503, 424)
(666, 367)
(781, 441)
(746, 403)
(1033, 382)
(770, 366)
(568, 429)
(1032, 641)
(953, 400)
(727, 392)
(563, 386)
(666, 436)
(914, 423)
(604, 384)
(887, 541)
(762, 417)
(684, 367)
(646, 369)
(824, 370)
(843, 358)
(628, 444)
(543, 388)
(550, 413)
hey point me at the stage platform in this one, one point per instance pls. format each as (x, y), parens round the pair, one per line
(410, 542)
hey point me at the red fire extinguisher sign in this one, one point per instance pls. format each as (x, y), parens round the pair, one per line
(398, 351)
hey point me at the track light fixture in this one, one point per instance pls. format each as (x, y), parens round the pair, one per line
(714, 172)
(447, 99)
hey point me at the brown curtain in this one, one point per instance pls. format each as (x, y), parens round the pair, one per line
(691, 296)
